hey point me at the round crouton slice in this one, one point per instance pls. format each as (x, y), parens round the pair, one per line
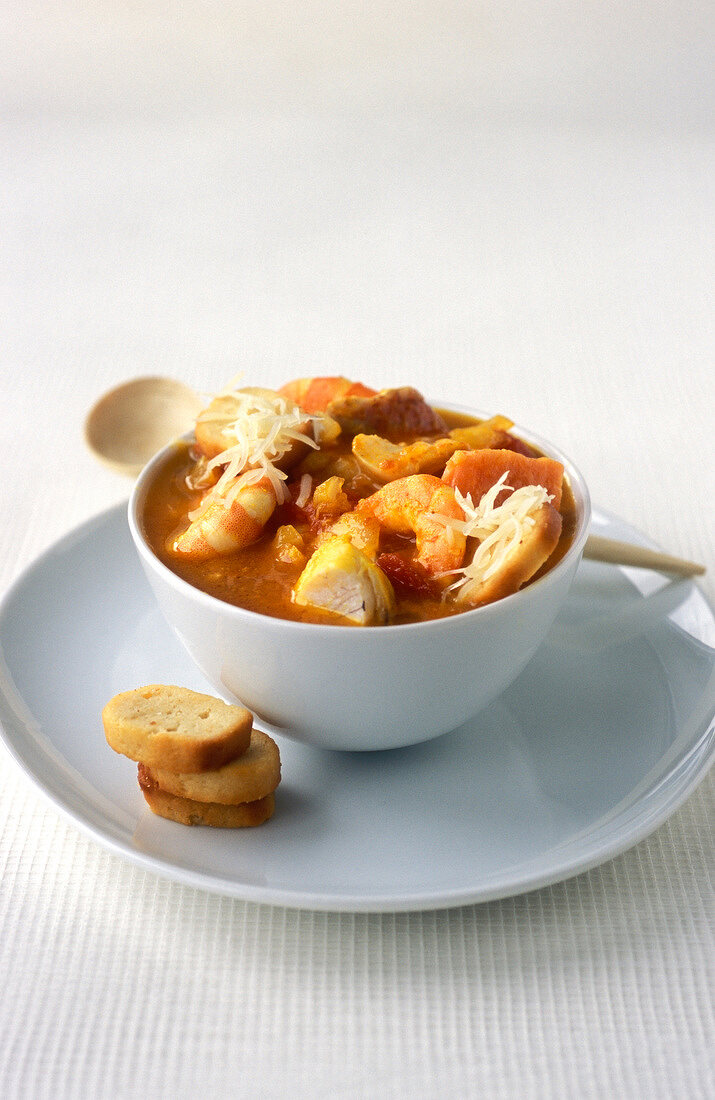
(185, 811)
(249, 777)
(220, 424)
(525, 558)
(175, 728)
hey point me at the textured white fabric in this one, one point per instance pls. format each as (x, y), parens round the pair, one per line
(511, 207)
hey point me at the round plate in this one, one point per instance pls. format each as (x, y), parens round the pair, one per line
(604, 734)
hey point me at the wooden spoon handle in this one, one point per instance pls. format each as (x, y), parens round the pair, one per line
(625, 553)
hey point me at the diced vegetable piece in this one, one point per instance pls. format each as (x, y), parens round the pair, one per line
(490, 433)
(329, 498)
(361, 530)
(408, 577)
(289, 545)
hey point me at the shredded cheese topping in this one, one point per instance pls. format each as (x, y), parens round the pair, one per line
(305, 489)
(265, 428)
(499, 528)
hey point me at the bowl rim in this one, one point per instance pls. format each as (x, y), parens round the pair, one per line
(576, 480)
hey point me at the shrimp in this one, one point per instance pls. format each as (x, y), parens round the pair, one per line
(253, 435)
(255, 420)
(421, 503)
(315, 394)
(225, 523)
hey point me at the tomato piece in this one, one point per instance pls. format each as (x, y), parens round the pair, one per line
(408, 577)
(511, 443)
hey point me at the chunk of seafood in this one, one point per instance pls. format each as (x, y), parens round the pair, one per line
(214, 423)
(341, 579)
(393, 413)
(225, 523)
(315, 394)
(385, 461)
(421, 504)
(473, 473)
(520, 562)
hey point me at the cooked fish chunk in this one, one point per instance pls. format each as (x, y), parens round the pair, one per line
(384, 461)
(392, 413)
(341, 579)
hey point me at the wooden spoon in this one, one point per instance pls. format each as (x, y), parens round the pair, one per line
(598, 548)
(132, 422)
(135, 420)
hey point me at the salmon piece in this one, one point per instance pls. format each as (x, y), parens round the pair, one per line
(474, 472)
(315, 394)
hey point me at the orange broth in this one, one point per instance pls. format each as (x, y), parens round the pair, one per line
(254, 578)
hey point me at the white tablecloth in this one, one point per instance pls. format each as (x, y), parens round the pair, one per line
(507, 207)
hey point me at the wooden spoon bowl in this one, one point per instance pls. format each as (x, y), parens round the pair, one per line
(132, 422)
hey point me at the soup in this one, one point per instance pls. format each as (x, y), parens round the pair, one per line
(328, 502)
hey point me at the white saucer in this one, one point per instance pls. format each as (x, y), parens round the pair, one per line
(601, 738)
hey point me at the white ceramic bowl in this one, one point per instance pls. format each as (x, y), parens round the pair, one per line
(358, 688)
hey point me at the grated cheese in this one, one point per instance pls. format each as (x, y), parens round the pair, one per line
(499, 528)
(306, 484)
(266, 427)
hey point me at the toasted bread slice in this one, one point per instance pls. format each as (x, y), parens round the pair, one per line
(253, 775)
(217, 425)
(186, 811)
(175, 728)
(536, 545)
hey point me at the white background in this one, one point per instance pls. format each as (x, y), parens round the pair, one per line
(509, 206)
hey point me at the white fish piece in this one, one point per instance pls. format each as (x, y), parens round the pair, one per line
(341, 579)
